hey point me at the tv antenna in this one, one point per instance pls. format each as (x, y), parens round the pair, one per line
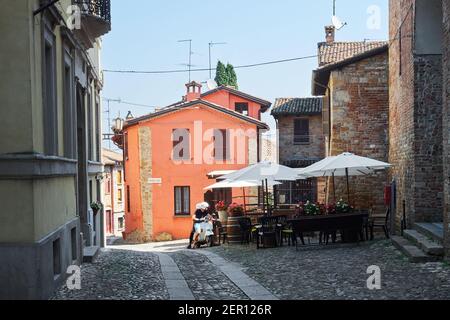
(212, 44)
(190, 56)
(337, 23)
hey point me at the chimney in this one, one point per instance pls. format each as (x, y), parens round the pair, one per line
(194, 91)
(330, 32)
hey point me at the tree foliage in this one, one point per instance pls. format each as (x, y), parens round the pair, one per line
(226, 75)
(221, 74)
(232, 77)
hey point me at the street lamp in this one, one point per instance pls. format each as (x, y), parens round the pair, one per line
(118, 125)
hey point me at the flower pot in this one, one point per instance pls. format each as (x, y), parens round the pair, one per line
(223, 217)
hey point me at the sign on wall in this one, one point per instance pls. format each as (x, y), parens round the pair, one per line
(155, 181)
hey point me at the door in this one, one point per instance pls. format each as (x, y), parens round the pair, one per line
(109, 222)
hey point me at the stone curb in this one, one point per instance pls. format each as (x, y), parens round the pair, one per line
(250, 287)
(176, 284)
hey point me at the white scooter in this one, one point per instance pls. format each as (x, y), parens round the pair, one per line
(206, 236)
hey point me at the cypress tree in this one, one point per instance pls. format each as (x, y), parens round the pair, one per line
(232, 77)
(221, 74)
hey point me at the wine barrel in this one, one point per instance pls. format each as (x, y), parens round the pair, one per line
(234, 230)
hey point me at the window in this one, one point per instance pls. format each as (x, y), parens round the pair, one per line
(242, 108)
(182, 201)
(56, 257)
(69, 110)
(49, 92)
(108, 184)
(119, 195)
(301, 131)
(73, 239)
(119, 177)
(97, 129)
(291, 193)
(90, 127)
(221, 144)
(128, 199)
(125, 145)
(181, 144)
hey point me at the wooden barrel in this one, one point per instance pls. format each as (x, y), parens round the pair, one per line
(234, 230)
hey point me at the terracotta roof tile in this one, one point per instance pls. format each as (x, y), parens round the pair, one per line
(339, 51)
(297, 106)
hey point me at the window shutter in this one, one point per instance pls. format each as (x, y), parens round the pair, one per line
(301, 131)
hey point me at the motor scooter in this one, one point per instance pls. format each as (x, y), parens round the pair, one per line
(206, 236)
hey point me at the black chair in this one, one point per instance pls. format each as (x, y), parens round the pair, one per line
(285, 231)
(381, 222)
(267, 232)
(246, 230)
(222, 233)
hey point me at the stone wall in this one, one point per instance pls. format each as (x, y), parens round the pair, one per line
(446, 122)
(428, 184)
(146, 160)
(359, 107)
(415, 126)
(289, 151)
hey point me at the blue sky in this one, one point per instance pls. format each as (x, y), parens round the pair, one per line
(145, 33)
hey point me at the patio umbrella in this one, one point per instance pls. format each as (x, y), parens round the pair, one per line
(344, 165)
(239, 184)
(265, 172)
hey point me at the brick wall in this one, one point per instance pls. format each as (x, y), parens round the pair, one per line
(289, 151)
(446, 121)
(401, 106)
(359, 108)
(415, 129)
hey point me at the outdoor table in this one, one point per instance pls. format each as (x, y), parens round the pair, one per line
(350, 224)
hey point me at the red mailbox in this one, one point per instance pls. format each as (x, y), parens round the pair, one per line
(387, 195)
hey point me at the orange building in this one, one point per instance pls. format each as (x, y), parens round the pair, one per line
(173, 154)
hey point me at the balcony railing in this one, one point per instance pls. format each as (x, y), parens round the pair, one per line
(98, 8)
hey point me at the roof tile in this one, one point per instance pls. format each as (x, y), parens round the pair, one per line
(339, 51)
(297, 106)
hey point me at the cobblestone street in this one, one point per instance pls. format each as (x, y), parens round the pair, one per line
(137, 272)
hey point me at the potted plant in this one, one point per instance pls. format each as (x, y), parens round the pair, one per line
(235, 210)
(331, 209)
(222, 210)
(311, 209)
(343, 207)
(96, 207)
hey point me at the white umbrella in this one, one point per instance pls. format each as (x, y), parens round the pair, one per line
(238, 184)
(344, 165)
(226, 184)
(264, 171)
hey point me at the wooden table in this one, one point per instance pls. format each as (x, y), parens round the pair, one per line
(350, 224)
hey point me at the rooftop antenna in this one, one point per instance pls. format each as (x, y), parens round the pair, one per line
(190, 56)
(212, 44)
(337, 23)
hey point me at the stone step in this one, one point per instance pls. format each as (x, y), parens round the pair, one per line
(431, 230)
(424, 242)
(414, 254)
(90, 254)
